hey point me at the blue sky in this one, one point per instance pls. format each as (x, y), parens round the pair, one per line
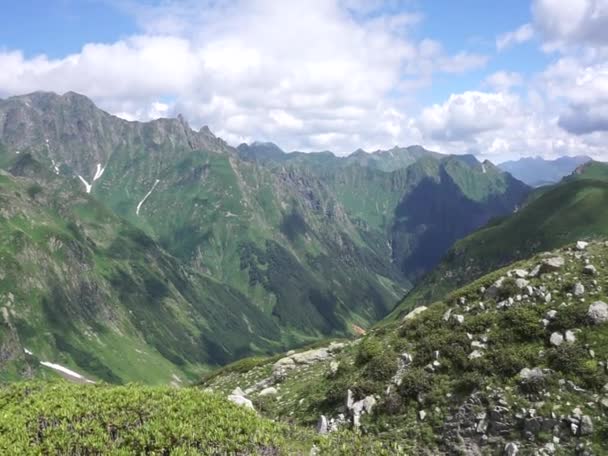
(500, 79)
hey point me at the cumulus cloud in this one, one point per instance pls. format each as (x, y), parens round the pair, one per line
(503, 80)
(520, 35)
(565, 23)
(304, 73)
(464, 115)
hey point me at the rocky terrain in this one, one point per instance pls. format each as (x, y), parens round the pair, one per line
(514, 363)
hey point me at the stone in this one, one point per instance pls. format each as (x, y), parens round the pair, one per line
(322, 425)
(521, 283)
(521, 273)
(241, 400)
(551, 314)
(578, 289)
(586, 427)
(414, 313)
(311, 356)
(552, 264)
(475, 354)
(569, 336)
(556, 339)
(535, 271)
(422, 415)
(598, 312)
(458, 318)
(511, 449)
(589, 270)
(446, 315)
(270, 391)
(333, 367)
(581, 245)
(534, 374)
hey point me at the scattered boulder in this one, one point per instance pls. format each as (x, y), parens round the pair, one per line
(270, 391)
(238, 397)
(511, 449)
(569, 336)
(414, 313)
(556, 339)
(598, 312)
(458, 318)
(535, 271)
(578, 289)
(475, 354)
(521, 283)
(581, 245)
(421, 415)
(586, 426)
(589, 269)
(322, 425)
(520, 273)
(552, 264)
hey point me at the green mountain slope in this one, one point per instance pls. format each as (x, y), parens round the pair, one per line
(553, 216)
(520, 369)
(313, 242)
(82, 288)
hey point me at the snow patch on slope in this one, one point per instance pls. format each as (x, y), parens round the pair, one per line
(65, 370)
(98, 172)
(146, 197)
(87, 186)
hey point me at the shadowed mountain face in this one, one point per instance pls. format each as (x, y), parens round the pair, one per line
(551, 217)
(308, 244)
(536, 171)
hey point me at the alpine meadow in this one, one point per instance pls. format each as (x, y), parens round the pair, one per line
(316, 227)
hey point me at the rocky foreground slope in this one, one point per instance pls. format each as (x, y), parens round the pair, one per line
(514, 363)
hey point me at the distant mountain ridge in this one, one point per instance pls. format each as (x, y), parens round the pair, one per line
(537, 171)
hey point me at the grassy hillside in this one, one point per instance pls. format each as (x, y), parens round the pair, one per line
(554, 216)
(84, 289)
(505, 361)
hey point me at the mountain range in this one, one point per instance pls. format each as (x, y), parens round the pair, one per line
(537, 171)
(240, 250)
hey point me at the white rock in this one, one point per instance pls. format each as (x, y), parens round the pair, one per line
(581, 245)
(511, 449)
(459, 318)
(414, 313)
(570, 337)
(590, 270)
(578, 289)
(521, 273)
(475, 354)
(270, 391)
(598, 312)
(322, 425)
(241, 400)
(422, 415)
(556, 339)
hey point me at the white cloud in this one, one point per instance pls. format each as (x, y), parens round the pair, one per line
(503, 80)
(303, 73)
(464, 115)
(518, 36)
(565, 23)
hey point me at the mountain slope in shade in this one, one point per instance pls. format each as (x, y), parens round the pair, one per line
(556, 215)
(537, 171)
(83, 289)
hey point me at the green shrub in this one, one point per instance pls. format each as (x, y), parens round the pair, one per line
(34, 190)
(369, 349)
(382, 367)
(415, 381)
(521, 324)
